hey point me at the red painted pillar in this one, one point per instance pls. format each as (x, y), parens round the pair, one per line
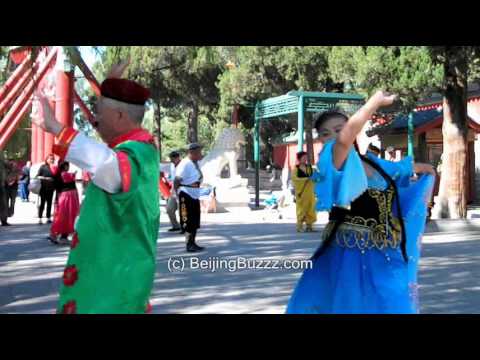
(64, 97)
(48, 139)
(33, 150)
(40, 145)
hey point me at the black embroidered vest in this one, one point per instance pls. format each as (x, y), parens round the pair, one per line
(373, 210)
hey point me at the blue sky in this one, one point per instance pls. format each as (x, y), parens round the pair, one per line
(88, 55)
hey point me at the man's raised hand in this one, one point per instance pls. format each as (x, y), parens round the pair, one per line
(43, 115)
(117, 70)
(382, 98)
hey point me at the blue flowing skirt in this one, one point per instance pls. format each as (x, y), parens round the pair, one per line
(353, 281)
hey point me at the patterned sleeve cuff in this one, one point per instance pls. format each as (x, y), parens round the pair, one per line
(125, 170)
(64, 139)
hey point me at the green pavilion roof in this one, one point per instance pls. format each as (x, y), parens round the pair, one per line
(314, 101)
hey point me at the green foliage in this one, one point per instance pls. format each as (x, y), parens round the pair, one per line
(266, 71)
(414, 72)
(85, 92)
(441, 54)
(181, 78)
(3, 64)
(19, 145)
(306, 66)
(173, 135)
(175, 130)
(406, 70)
(262, 72)
(176, 75)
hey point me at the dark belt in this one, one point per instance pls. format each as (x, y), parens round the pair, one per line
(194, 185)
(67, 187)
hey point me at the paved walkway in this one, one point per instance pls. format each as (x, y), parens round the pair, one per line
(31, 268)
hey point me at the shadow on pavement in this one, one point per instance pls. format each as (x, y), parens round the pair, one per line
(241, 291)
(450, 278)
(31, 268)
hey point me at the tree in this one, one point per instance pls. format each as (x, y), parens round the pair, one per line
(405, 70)
(261, 72)
(178, 76)
(415, 73)
(19, 145)
(459, 63)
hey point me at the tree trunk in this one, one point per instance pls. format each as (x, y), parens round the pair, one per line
(452, 197)
(158, 118)
(422, 148)
(192, 131)
(309, 138)
(235, 115)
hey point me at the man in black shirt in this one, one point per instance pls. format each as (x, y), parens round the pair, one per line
(46, 174)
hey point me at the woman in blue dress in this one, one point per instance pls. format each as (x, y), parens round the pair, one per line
(367, 261)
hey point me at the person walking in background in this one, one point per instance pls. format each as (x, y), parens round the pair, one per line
(67, 206)
(3, 192)
(46, 174)
(172, 203)
(188, 179)
(11, 186)
(25, 181)
(304, 195)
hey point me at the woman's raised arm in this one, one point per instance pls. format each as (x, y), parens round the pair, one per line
(355, 124)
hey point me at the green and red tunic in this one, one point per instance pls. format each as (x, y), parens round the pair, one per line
(111, 264)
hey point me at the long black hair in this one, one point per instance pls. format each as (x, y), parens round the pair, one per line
(300, 154)
(62, 166)
(57, 178)
(320, 118)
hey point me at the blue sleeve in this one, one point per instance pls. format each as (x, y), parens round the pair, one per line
(400, 171)
(338, 187)
(414, 200)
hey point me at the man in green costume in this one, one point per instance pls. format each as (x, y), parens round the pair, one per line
(111, 265)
